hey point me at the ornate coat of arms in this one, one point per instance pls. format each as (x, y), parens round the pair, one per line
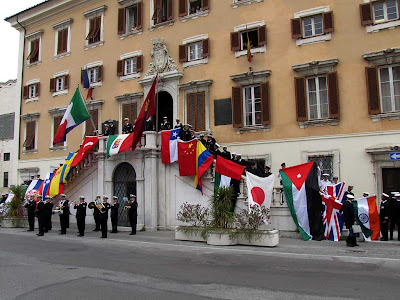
(162, 62)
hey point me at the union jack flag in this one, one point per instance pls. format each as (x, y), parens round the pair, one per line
(332, 198)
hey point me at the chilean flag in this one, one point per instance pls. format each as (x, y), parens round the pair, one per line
(169, 145)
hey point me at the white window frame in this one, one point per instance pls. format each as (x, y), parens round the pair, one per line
(31, 118)
(93, 13)
(29, 83)
(125, 57)
(56, 112)
(392, 95)
(126, 17)
(57, 76)
(59, 84)
(240, 29)
(192, 40)
(94, 65)
(385, 12)
(253, 105)
(31, 91)
(130, 63)
(159, 25)
(58, 27)
(196, 50)
(243, 42)
(31, 37)
(189, 16)
(313, 34)
(237, 3)
(317, 91)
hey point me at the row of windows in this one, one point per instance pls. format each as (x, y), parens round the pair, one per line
(305, 26)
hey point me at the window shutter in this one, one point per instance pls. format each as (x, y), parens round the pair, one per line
(66, 82)
(52, 85)
(262, 35)
(182, 8)
(191, 110)
(200, 112)
(333, 94)
(60, 37)
(89, 130)
(92, 28)
(126, 111)
(139, 21)
(328, 22)
(366, 14)
(100, 73)
(237, 106)
(133, 115)
(183, 53)
(121, 21)
(206, 48)
(65, 39)
(235, 41)
(37, 89)
(205, 4)
(139, 63)
(301, 100)
(296, 29)
(265, 104)
(25, 92)
(120, 68)
(170, 11)
(29, 143)
(374, 106)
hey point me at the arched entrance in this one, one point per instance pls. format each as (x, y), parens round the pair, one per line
(165, 107)
(124, 184)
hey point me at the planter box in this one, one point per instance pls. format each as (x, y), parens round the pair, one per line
(262, 238)
(221, 238)
(14, 222)
(189, 233)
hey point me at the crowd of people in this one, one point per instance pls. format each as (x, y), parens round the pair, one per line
(43, 210)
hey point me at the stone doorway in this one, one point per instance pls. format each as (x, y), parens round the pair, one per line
(124, 180)
(165, 107)
(391, 180)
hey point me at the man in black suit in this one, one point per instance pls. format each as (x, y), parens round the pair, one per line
(225, 153)
(384, 216)
(48, 204)
(348, 217)
(114, 214)
(111, 127)
(133, 205)
(30, 206)
(103, 217)
(81, 215)
(41, 215)
(267, 172)
(128, 128)
(96, 212)
(64, 214)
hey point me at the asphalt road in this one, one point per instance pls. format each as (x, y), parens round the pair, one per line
(156, 267)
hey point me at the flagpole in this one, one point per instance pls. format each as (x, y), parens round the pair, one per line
(91, 120)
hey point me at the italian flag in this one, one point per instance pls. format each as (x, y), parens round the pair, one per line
(300, 185)
(75, 114)
(225, 170)
(366, 213)
(119, 143)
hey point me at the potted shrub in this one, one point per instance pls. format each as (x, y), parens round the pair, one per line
(221, 231)
(197, 217)
(249, 222)
(14, 210)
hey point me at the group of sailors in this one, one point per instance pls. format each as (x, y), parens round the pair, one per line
(390, 215)
(43, 210)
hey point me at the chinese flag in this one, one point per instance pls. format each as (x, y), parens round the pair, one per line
(187, 158)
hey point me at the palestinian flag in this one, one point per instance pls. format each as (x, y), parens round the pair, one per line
(119, 143)
(225, 170)
(301, 188)
(366, 213)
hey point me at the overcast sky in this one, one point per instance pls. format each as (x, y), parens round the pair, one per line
(9, 36)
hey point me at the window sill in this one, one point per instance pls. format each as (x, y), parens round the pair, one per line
(319, 123)
(55, 57)
(161, 25)
(58, 148)
(314, 39)
(131, 34)
(29, 151)
(60, 93)
(94, 45)
(96, 84)
(129, 77)
(29, 65)
(382, 26)
(236, 4)
(255, 128)
(386, 116)
(194, 16)
(32, 100)
(261, 49)
(195, 62)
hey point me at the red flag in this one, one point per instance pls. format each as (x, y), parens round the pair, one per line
(148, 110)
(229, 168)
(88, 143)
(187, 158)
(89, 94)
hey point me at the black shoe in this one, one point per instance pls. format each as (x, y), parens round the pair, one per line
(103, 237)
(356, 245)
(30, 230)
(349, 245)
(62, 233)
(132, 233)
(383, 239)
(46, 231)
(80, 235)
(40, 234)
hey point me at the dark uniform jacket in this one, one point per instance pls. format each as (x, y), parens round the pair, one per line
(80, 210)
(185, 135)
(226, 155)
(266, 174)
(48, 207)
(114, 210)
(210, 143)
(179, 126)
(104, 211)
(128, 128)
(31, 206)
(384, 211)
(111, 129)
(165, 126)
(255, 171)
(348, 213)
(203, 141)
(133, 211)
(396, 211)
(40, 210)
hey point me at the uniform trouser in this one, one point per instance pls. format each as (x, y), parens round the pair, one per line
(31, 220)
(103, 226)
(63, 224)
(391, 228)
(114, 223)
(80, 222)
(384, 230)
(48, 223)
(133, 225)
(351, 239)
(97, 221)
(41, 221)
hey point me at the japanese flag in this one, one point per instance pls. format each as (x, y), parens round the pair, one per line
(259, 190)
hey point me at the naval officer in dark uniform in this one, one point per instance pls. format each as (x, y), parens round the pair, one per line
(349, 218)
(48, 204)
(133, 205)
(384, 216)
(41, 215)
(114, 214)
(128, 128)
(64, 214)
(103, 217)
(80, 215)
(30, 206)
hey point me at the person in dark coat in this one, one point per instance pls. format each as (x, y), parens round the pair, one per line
(3, 198)
(225, 153)
(201, 139)
(111, 127)
(384, 216)
(267, 172)
(30, 206)
(254, 170)
(184, 134)
(216, 151)
(165, 124)
(80, 215)
(103, 217)
(128, 128)
(178, 124)
(41, 215)
(133, 205)
(96, 212)
(210, 142)
(48, 204)
(396, 213)
(114, 215)
(106, 131)
(391, 214)
(64, 214)
(347, 210)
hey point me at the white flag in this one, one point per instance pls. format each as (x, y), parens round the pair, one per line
(259, 189)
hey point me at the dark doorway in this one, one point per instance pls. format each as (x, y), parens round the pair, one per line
(165, 108)
(391, 180)
(124, 185)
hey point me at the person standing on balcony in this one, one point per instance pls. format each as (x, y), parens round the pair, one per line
(128, 128)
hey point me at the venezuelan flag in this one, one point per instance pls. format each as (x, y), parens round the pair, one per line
(203, 161)
(66, 168)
